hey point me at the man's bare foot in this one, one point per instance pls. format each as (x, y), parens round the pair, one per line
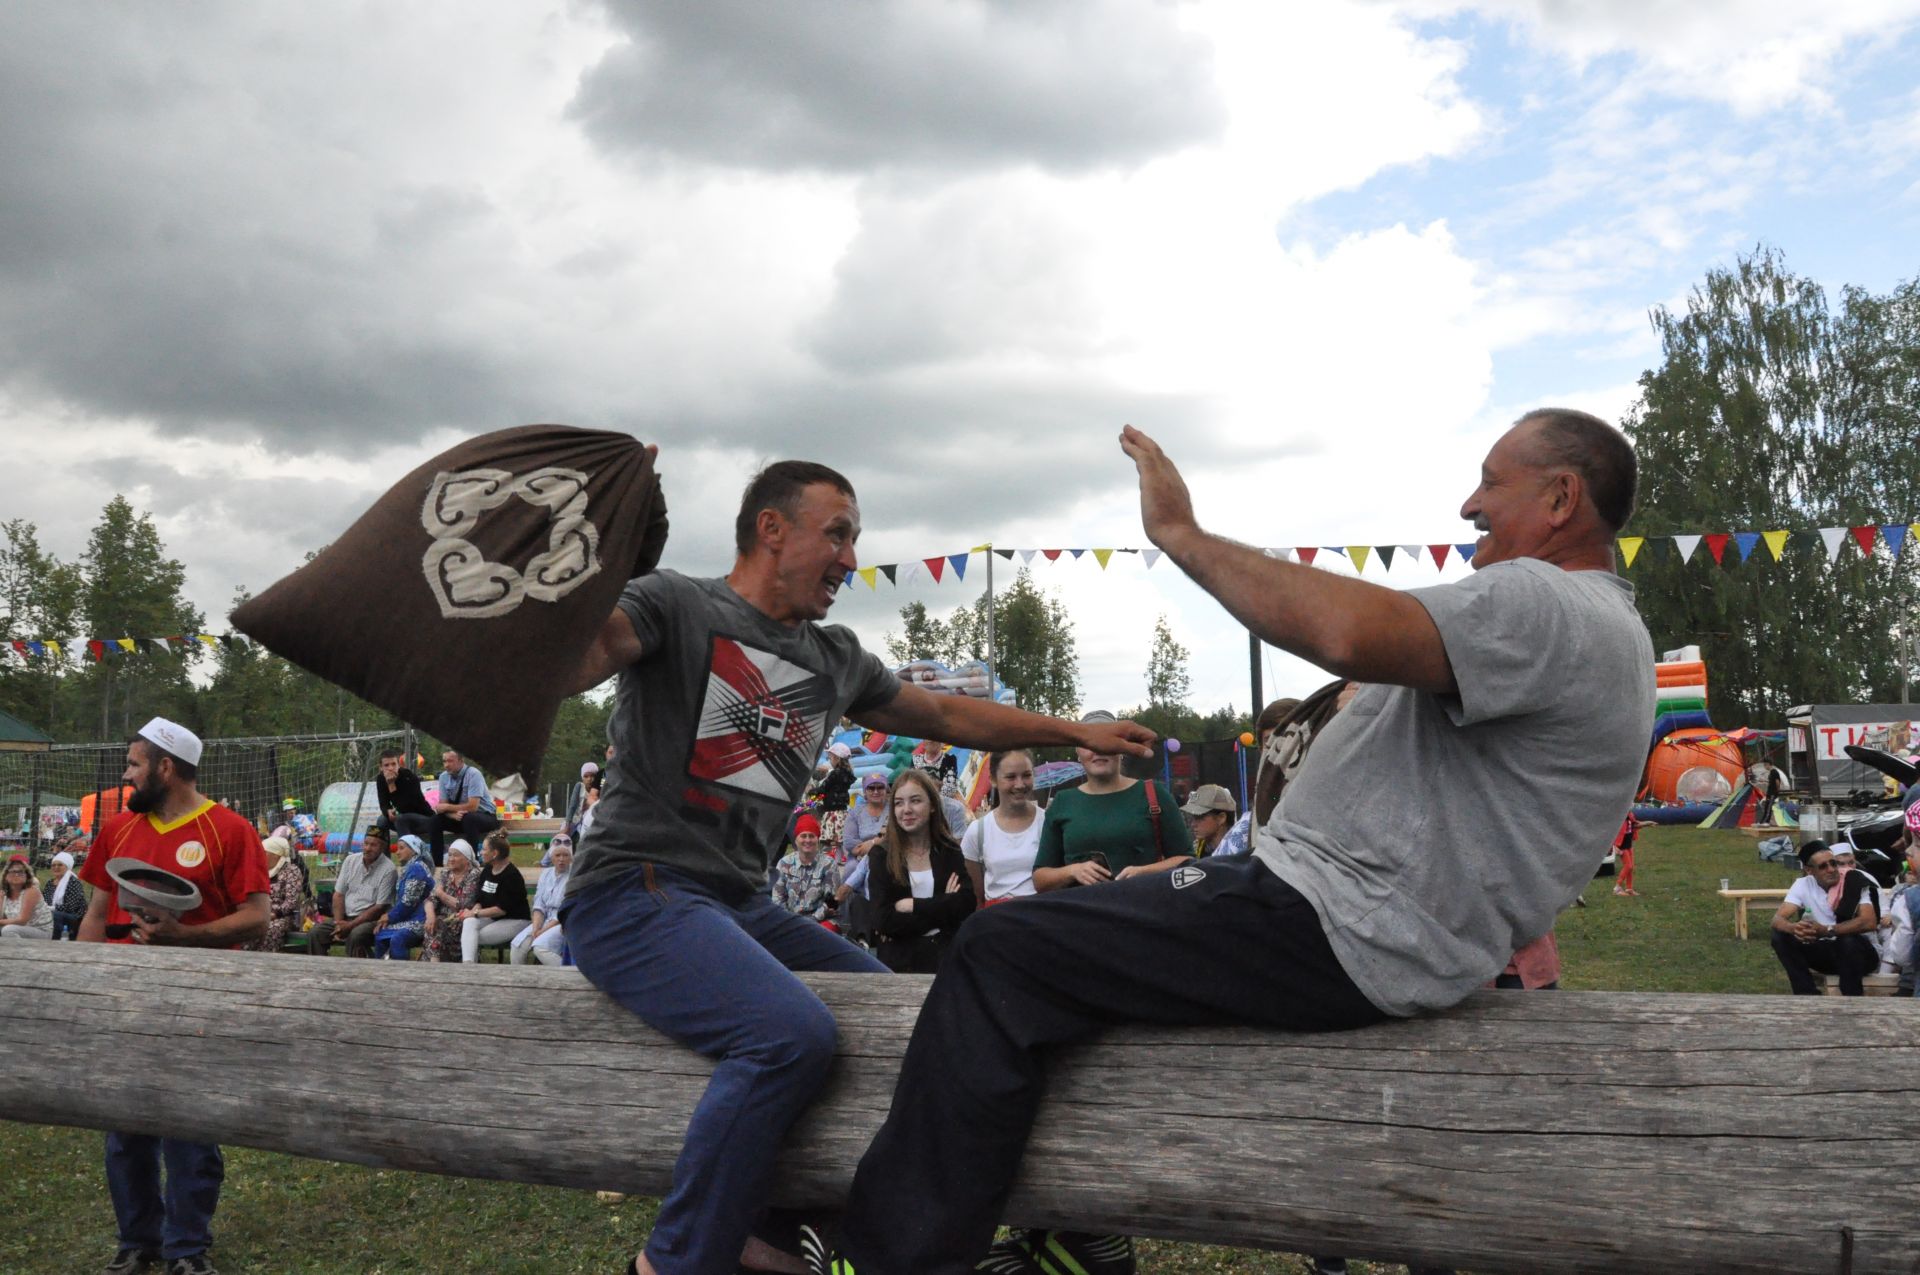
(759, 1255)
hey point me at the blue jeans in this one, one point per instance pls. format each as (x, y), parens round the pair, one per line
(175, 1220)
(714, 975)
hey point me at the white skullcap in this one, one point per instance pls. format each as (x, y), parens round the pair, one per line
(174, 738)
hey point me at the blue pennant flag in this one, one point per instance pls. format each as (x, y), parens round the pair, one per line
(1746, 540)
(1465, 552)
(1895, 534)
(959, 561)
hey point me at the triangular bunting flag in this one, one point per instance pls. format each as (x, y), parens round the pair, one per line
(1005, 553)
(1776, 542)
(1896, 537)
(887, 569)
(1150, 556)
(1359, 555)
(126, 644)
(1439, 553)
(1465, 552)
(1052, 555)
(959, 561)
(911, 571)
(1386, 556)
(1833, 538)
(207, 639)
(1076, 553)
(1686, 545)
(96, 648)
(1865, 536)
(54, 647)
(1307, 554)
(1026, 556)
(33, 644)
(1747, 540)
(871, 575)
(1101, 555)
(1717, 544)
(936, 566)
(849, 580)
(1630, 547)
(20, 645)
(1412, 552)
(980, 549)
(162, 644)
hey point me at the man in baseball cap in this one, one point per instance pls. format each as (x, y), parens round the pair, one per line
(1210, 812)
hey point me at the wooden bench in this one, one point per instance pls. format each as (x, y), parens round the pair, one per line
(1500, 1136)
(1871, 984)
(1743, 900)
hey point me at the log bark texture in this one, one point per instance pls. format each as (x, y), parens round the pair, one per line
(1566, 1131)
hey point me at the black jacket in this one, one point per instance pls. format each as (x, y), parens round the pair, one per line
(905, 945)
(404, 798)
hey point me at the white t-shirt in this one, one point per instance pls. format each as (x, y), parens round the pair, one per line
(1005, 858)
(1807, 894)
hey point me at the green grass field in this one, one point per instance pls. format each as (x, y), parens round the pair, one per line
(285, 1214)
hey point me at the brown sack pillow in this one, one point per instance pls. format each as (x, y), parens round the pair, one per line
(465, 598)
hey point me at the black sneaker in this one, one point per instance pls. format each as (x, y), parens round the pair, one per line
(131, 1261)
(1038, 1252)
(816, 1250)
(195, 1265)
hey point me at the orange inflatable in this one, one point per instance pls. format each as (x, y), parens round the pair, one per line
(1698, 764)
(106, 803)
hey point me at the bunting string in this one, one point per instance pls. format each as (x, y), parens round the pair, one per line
(101, 650)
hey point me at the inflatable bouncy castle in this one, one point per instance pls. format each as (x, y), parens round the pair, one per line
(1691, 767)
(888, 755)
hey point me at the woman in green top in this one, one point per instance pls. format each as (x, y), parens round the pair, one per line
(1106, 829)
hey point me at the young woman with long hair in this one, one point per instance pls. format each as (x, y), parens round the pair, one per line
(1001, 845)
(920, 888)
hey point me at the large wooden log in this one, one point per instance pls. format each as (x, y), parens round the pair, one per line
(1546, 1132)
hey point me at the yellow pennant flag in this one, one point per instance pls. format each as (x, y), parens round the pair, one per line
(1630, 547)
(208, 638)
(55, 648)
(1776, 541)
(869, 574)
(125, 644)
(1101, 555)
(1359, 555)
(986, 548)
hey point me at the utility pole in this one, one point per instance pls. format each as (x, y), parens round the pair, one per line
(1253, 663)
(990, 620)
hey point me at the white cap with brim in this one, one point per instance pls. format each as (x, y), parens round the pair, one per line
(174, 738)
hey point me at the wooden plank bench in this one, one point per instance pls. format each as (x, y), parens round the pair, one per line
(1871, 984)
(1744, 900)
(1499, 1136)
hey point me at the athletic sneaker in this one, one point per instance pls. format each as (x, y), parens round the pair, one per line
(130, 1261)
(1038, 1252)
(195, 1265)
(816, 1250)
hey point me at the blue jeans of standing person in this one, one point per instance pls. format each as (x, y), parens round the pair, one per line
(714, 973)
(174, 1219)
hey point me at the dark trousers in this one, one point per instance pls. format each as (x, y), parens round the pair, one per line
(472, 826)
(174, 1219)
(66, 925)
(1849, 957)
(713, 973)
(358, 940)
(1219, 942)
(421, 826)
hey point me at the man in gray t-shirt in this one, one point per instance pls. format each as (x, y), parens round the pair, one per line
(1439, 823)
(727, 690)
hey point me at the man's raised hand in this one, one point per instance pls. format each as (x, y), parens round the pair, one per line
(1166, 510)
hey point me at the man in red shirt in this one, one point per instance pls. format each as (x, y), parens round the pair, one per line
(168, 824)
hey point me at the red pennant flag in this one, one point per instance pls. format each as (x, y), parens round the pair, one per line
(1864, 537)
(20, 645)
(97, 649)
(935, 565)
(1053, 555)
(1717, 544)
(1307, 553)
(1439, 553)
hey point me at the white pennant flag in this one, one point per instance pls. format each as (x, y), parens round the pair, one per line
(1412, 552)
(1150, 556)
(164, 645)
(1833, 538)
(1686, 545)
(1026, 557)
(1285, 555)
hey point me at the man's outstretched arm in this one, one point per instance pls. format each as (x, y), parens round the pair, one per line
(614, 647)
(1351, 628)
(978, 723)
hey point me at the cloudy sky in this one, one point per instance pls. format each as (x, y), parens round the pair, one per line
(256, 262)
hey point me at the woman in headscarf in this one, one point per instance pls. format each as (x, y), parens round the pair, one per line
(287, 896)
(24, 913)
(405, 926)
(66, 896)
(458, 883)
